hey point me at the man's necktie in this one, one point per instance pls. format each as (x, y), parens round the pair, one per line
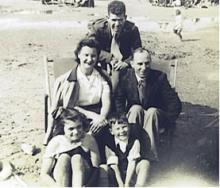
(141, 90)
(115, 48)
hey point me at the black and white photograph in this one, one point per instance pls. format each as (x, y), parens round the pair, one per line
(109, 93)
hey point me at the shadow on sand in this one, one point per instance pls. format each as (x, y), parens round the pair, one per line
(194, 157)
(189, 40)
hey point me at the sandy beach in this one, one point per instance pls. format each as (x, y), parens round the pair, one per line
(29, 31)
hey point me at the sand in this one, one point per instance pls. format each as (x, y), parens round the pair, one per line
(29, 31)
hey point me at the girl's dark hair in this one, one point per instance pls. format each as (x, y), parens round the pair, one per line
(87, 41)
(70, 114)
(62, 114)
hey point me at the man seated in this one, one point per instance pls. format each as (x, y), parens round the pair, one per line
(147, 97)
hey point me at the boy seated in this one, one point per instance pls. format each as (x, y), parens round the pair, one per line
(71, 159)
(128, 165)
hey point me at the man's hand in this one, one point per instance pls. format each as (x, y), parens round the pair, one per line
(119, 65)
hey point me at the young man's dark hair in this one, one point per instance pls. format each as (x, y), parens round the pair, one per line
(116, 7)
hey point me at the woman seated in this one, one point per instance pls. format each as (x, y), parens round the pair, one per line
(84, 88)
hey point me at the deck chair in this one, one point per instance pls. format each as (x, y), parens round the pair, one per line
(62, 65)
(52, 2)
(170, 68)
(88, 3)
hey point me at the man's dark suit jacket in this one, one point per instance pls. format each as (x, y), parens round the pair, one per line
(129, 38)
(158, 93)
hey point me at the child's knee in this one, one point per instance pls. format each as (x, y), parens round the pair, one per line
(64, 159)
(63, 162)
(62, 167)
(77, 162)
(145, 163)
(143, 166)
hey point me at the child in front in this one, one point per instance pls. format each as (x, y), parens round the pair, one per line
(71, 159)
(127, 165)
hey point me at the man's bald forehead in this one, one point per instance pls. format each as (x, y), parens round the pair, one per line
(141, 50)
(143, 53)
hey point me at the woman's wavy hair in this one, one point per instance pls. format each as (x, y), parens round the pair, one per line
(87, 41)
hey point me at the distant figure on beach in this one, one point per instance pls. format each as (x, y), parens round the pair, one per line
(71, 159)
(178, 24)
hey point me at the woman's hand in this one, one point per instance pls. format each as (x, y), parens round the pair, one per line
(98, 121)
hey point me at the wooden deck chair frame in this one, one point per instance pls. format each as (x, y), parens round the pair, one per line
(170, 68)
(62, 65)
(47, 2)
(90, 3)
